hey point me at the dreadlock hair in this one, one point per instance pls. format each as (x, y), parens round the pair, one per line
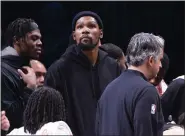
(112, 50)
(44, 105)
(17, 29)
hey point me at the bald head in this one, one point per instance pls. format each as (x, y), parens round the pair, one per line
(40, 71)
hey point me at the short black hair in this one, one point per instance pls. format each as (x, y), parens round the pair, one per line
(113, 50)
(44, 105)
(18, 29)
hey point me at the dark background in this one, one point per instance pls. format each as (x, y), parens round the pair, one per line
(121, 21)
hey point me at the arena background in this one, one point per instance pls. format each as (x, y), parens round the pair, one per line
(121, 21)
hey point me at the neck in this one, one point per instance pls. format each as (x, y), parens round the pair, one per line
(99, 43)
(23, 55)
(141, 69)
(16, 47)
(92, 55)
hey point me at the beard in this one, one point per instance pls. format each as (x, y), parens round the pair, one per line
(87, 46)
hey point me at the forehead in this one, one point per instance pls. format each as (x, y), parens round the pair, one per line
(34, 33)
(86, 19)
(38, 67)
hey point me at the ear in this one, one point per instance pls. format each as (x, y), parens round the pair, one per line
(15, 40)
(151, 61)
(101, 33)
(74, 36)
(18, 41)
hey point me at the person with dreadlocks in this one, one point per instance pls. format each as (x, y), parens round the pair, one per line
(44, 114)
(23, 40)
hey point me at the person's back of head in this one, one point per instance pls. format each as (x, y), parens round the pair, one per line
(114, 52)
(44, 105)
(146, 51)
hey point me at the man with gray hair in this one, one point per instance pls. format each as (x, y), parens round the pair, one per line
(130, 105)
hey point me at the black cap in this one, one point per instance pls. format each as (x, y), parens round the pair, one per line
(87, 13)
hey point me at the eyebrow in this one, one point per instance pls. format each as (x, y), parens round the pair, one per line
(94, 22)
(36, 35)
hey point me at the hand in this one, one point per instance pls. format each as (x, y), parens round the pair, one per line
(29, 77)
(5, 124)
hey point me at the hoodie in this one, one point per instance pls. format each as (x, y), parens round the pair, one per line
(14, 90)
(81, 85)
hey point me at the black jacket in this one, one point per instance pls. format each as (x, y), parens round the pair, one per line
(14, 91)
(173, 100)
(81, 85)
(129, 106)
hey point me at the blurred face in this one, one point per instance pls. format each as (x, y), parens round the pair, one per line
(155, 81)
(40, 71)
(155, 65)
(87, 33)
(31, 45)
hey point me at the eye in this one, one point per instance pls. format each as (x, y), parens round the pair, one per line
(34, 38)
(92, 26)
(79, 27)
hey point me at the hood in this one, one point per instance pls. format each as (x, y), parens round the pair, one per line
(75, 54)
(15, 61)
(10, 57)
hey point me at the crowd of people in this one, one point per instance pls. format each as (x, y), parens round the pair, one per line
(93, 89)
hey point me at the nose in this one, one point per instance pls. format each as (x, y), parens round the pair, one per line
(39, 43)
(41, 79)
(85, 30)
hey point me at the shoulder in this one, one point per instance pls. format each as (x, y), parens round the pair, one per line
(55, 128)
(175, 130)
(18, 131)
(147, 92)
(57, 65)
(110, 60)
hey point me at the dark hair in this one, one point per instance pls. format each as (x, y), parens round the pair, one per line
(18, 29)
(44, 105)
(165, 63)
(112, 50)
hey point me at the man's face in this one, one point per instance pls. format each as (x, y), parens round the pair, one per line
(160, 75)
(31, 45)
(156, 65)
(39, 70)
(87, 33)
